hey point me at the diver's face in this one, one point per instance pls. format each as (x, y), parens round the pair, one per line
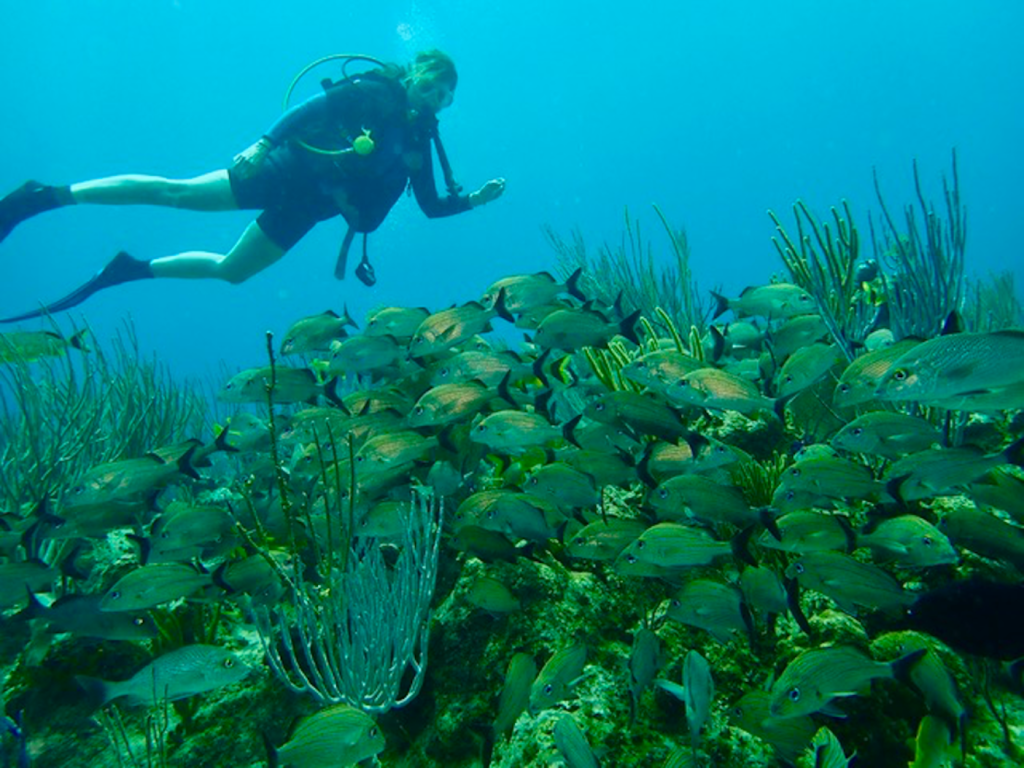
(431, 95)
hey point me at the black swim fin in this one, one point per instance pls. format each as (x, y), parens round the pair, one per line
(123, 268)
(28, 200)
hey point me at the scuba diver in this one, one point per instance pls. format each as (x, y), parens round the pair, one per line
(350, 150)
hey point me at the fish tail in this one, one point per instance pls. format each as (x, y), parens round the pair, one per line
(220, 442)
(902, 666)
(96, 690)
(77, 341)
(717, 343)
(500, 309)
(628, 327)
(568, 431)
(1014, 453)
(331, 392)
(793, 602)
(346, 318)
(273, 761)
(185, 463)
(721, 305)
(572, 285)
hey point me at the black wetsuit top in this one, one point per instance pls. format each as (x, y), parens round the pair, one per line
(296, 188)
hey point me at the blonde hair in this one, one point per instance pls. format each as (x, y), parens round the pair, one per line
(432, 65)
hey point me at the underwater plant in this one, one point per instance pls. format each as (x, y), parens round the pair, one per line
(61, 415)
(923, 274)
(364, 624)
(824, 264)
(631, 270)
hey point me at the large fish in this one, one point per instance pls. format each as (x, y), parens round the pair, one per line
(557, 677)
(849, 582)
(956, 364)
(776, 301)
(28, 346)
(184, 672)
(526, 292)
(316, 333)
(338, 735)
(450, 327)
(814, 678)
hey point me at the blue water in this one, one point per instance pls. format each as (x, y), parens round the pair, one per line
(717, 111)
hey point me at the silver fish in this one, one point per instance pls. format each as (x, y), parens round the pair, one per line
(572, 744)
(184, 672)
(557, 677)
(849, 582)
(337, 735)
(814, 678)
(515, 693)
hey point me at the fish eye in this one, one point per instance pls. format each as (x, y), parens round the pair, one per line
(373, 731)
(599, 406)
(138, 621)
(899, 374)
(798, 567)
(229, 663)
(927, 541)
(548, 689)
(631, 559)
(676, 603)
(844, 388)
(857, 432)
(662, 493)
(640, 544)
(795, 472)
(794, 694)
(115, 595)
(418, 410)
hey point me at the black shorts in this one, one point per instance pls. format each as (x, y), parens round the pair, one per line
(285, 188)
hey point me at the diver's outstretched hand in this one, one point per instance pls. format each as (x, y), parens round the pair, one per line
(248, 161)
(489, 192)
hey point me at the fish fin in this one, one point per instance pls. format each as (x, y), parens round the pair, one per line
(766, 516)
(568, 430)
(69, 568)
(77, 341)
(331, 392)
(793, 602)
(895, 489)
(572, 285)
(34, 610)
(500, 309)
(273, 761)
(97, 691)
(717, 343)
(503, 391)
(145, 547)
(721, 305)
(954, 323)
(643, 470)
(832, 710)
(904, 665)
(1014, 453)
(185, 463)
(220, 442)
(740, 546)
(628, 327)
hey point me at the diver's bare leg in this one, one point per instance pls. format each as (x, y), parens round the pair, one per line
(209, 192)
(253, 253)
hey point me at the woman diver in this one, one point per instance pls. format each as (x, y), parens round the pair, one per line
(350, 150)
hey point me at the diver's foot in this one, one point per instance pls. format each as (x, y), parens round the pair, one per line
(123, 268)
(28, 200)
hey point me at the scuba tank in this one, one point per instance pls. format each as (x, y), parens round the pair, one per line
(362, 145)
